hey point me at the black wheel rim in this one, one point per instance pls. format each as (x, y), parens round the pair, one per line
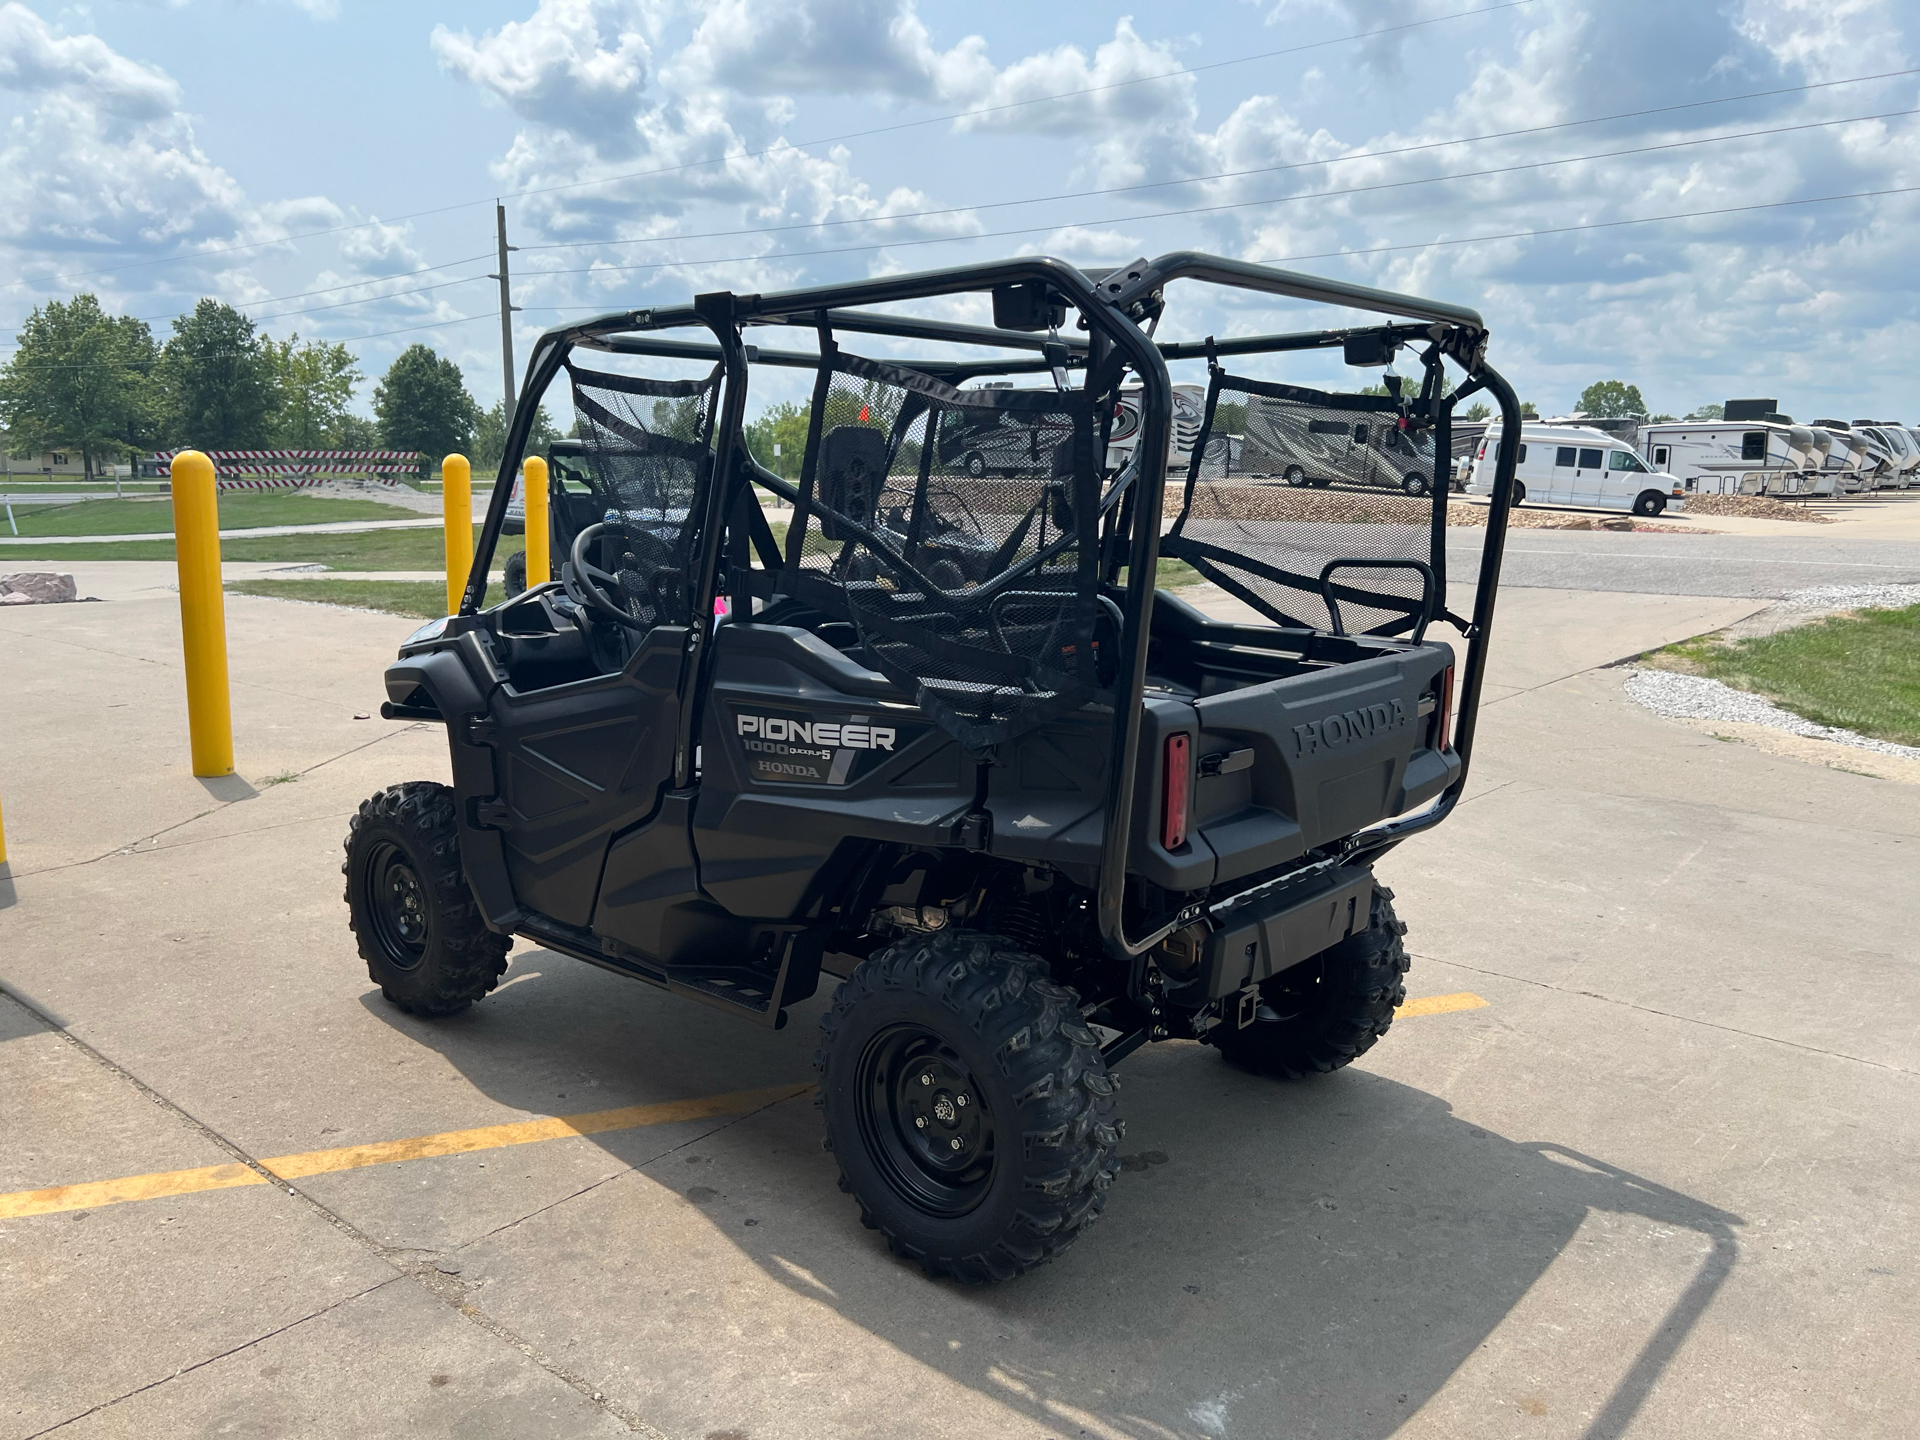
(924, 1121)
(397, 903)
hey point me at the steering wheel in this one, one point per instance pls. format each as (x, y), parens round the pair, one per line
(589, 585)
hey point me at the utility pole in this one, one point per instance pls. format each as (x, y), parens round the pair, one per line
(507, 307)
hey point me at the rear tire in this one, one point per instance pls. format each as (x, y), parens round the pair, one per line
(968, 1104)
(976, 464)
(1519, 494)
(1295, 476)
(514, 577)
(1414, 483)
(1328, 1012)
(408, 903)
(1649, 503)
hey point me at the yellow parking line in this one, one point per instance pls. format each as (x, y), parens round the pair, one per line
(1440, 1004)
(354, 1157)
(161, 1184)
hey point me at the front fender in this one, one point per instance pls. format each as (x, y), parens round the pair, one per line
(445, 680)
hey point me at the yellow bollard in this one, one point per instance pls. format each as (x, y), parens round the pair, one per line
(539, 557)
(456, 503)
(203, 613)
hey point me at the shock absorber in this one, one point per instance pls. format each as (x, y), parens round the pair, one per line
(1022, 919)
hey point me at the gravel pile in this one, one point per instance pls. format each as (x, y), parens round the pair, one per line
(1851, 597)
(1693, 697)
(1755, 507)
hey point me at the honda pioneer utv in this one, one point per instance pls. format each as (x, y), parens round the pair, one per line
(927, 726)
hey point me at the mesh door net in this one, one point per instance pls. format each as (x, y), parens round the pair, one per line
(958, 531)
(648, 452)
(1270, 541)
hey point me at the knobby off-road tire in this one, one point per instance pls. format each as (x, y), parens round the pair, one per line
(1328, 1012)
(514, 577)
(409, 907)
(986, 1189)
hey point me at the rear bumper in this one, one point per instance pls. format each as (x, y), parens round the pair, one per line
(1276, 932)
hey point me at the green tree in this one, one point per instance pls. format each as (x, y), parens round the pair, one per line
(490, 436)
(78, 380)
(315, 384)
(785, 425)
(1609, 398)
(1707, 412)
(355, 432)
(422, 404)
(216, 381)
(1477, 411)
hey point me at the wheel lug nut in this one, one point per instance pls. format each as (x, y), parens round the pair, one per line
(926, 1079)
(920, 1122)
(954, 1143)
(959, 1099)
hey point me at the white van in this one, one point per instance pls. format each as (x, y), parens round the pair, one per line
(1577, 465)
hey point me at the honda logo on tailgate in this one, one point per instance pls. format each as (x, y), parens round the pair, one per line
(1348, 726)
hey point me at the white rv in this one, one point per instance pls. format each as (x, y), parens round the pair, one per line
(1719, 457)
(1842, 462)
(1575, 465)
(1903, 454)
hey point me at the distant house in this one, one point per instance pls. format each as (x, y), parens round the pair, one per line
(57, 464)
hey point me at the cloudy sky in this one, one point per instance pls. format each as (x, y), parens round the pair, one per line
(330, 165)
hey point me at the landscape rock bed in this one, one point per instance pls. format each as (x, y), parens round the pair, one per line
(1694, 697)
(1755, 507)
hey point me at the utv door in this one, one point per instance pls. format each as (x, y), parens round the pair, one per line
(585, 765)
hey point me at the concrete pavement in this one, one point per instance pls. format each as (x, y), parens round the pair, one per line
(1662, 1184)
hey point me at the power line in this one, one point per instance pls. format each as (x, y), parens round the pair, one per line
(1330, 254)
(1074, 195)
(803, 144)
(1222, 175)
(897, 244)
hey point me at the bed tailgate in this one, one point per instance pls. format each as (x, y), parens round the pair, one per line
(1294, 763)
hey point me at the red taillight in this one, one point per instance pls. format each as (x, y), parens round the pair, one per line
(1177, 786)
(1445, 732)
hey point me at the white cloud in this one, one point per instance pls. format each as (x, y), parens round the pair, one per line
(100, 159)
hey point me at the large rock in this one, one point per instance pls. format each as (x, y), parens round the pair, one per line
(37, 587)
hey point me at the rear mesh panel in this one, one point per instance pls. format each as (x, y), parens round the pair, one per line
(649, 453)
(1288, 480)
(958, 531)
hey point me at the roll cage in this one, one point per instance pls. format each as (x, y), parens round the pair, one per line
(1118, 312)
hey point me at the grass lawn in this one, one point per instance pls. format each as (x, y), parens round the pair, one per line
(425, 599)
(370, 550)
(1858, 672)
(238, 510)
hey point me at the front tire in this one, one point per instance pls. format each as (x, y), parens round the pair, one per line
(1414, 483)
(1649, 503)
(968, 1104)
(1295, 476)
(976, 464)
(408, 903)
(1329, 1011)
(514, 576)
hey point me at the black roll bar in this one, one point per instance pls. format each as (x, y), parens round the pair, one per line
(1113, 304)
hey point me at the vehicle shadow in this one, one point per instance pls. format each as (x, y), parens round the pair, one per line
(1300, 1260)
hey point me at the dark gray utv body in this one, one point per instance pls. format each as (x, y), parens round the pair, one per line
(943, 738)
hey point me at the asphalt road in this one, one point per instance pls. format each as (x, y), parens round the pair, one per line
(1737, 566)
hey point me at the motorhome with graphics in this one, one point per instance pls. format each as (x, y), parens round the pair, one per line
(1720, 457)
(1903, 455)
(1577, 465)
